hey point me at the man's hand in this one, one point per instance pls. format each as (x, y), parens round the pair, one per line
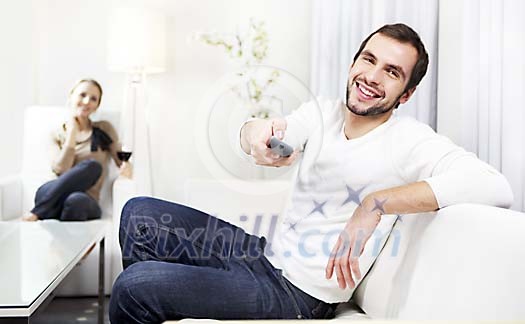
(344, 259)
(416, 197)
(255, 137)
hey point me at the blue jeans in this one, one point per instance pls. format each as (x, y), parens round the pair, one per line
(64, 198)
(180, 262)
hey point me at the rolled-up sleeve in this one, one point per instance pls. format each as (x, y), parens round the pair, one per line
(455, 175)
(470, 180)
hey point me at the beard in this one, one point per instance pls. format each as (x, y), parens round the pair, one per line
(372, 111)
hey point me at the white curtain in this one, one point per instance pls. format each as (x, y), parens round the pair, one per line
(484, 52)
(339, 26)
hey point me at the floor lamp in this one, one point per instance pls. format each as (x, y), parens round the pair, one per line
(137, 47)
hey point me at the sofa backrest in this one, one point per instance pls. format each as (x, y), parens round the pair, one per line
(39, 123)
(251, 205)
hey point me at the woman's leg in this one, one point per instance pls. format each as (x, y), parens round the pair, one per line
(51, 196)
(79, 206)
(52, 210)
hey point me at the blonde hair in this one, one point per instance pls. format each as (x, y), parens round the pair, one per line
(93, 82)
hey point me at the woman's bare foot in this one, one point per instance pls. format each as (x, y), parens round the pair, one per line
(30, 218)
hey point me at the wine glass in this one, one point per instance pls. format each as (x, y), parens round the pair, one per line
(125, 169)
(124, 156)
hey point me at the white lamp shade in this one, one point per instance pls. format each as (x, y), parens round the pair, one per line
(136, 41)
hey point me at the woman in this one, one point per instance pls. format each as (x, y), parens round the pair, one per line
(82, 150)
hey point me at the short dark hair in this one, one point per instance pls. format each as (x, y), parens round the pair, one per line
(404, 34)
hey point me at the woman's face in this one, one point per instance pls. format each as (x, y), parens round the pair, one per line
(85, 99)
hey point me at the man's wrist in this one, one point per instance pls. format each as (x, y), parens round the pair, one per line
(375, 204)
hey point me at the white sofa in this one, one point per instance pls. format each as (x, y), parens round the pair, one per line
(17, 195)
(464, 262)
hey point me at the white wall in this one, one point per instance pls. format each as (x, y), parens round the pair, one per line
(69, 42)
(176, 97)
(17, 78)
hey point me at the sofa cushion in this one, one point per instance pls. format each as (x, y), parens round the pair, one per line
(344, 312)
(350, 311)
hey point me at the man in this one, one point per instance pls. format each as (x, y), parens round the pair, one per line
(183, 263)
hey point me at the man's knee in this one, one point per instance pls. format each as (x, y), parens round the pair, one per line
(135, 207)
(134, 222)
(129, 296)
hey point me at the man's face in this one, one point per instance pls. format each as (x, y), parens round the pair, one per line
(377, 79)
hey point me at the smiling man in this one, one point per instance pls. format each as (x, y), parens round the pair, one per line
(180, 262)
(371, 162)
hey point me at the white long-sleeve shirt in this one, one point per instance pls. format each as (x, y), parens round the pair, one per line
(335, 174)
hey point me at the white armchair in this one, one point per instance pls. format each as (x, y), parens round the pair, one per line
(17, 195)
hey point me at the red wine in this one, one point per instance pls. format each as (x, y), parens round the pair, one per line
(123, 156)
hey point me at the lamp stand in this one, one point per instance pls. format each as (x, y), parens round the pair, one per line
(140, 138)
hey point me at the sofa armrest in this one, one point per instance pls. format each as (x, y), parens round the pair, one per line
(465, 262)
(10, 197)
(123, 190)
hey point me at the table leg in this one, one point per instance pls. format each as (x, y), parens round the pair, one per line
(101, 276)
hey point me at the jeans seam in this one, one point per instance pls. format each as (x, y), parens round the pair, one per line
(146, 312)
(290, 295)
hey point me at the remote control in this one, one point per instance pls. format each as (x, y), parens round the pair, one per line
(279, 147)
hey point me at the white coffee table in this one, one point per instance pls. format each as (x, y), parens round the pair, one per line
(36, 256)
